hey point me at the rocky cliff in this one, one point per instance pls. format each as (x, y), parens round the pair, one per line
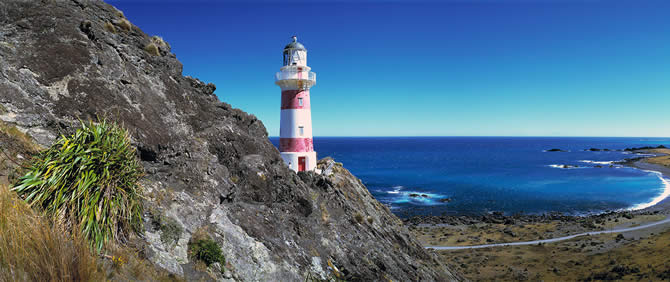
(209, 168)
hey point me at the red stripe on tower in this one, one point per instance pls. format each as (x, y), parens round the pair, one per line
(295, 99)
(296, 145)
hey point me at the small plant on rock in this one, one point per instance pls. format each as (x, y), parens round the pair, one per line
(207, 251)
(88, 181)
(359, 217)
(170, 231)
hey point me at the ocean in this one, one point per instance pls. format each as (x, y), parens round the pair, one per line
(476, 175)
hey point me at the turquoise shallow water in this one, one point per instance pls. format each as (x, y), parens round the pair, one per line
(484, 174)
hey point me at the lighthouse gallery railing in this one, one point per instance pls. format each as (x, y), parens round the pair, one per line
(296, 75)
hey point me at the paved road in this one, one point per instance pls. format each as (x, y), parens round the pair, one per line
(552, 240)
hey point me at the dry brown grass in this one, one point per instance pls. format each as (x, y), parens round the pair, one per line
(124, 24)
(32, 249)
(16, 148)
(110, 27)
(662, 160)
(159, 41)
(124, 263)
(18, 136)
(583, 258)
(567, 261)
(325, 216)
(152, 49)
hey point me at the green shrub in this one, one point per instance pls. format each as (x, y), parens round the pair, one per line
(207, 251)
(88, 181)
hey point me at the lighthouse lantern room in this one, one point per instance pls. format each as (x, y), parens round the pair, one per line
(295, 134)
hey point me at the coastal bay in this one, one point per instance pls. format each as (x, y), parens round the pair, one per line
(637, 254)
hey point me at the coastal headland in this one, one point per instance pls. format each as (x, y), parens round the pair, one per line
(635, 254)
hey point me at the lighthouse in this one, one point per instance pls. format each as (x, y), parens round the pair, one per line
(295, 134)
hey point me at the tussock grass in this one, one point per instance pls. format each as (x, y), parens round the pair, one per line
(32, 249)
(152, 49)
(159, 41)
(124, 24)
(88, 181)
(109, 27)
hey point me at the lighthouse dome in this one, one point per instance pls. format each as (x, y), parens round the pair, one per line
(295, 54)
(295, 45)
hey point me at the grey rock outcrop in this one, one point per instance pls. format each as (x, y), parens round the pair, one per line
(209, 167)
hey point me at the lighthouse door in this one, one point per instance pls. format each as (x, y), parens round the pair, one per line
(301, 163)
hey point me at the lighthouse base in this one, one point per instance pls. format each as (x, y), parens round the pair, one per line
(300, 161)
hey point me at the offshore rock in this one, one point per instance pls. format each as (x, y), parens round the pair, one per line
(209, 167)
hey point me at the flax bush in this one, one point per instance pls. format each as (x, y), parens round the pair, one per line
(88, 181)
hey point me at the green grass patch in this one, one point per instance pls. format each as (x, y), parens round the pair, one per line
(88, 181)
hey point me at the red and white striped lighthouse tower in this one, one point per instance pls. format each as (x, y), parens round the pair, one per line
(295, 133)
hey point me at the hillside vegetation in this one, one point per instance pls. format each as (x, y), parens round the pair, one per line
(88, 181)
(34, 244)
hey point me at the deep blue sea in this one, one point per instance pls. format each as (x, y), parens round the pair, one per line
(485, 174)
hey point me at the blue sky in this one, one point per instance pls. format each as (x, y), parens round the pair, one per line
(464, 68)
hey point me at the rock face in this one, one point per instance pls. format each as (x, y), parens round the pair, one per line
(209, 168)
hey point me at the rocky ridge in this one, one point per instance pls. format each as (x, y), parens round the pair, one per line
(209, 167)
